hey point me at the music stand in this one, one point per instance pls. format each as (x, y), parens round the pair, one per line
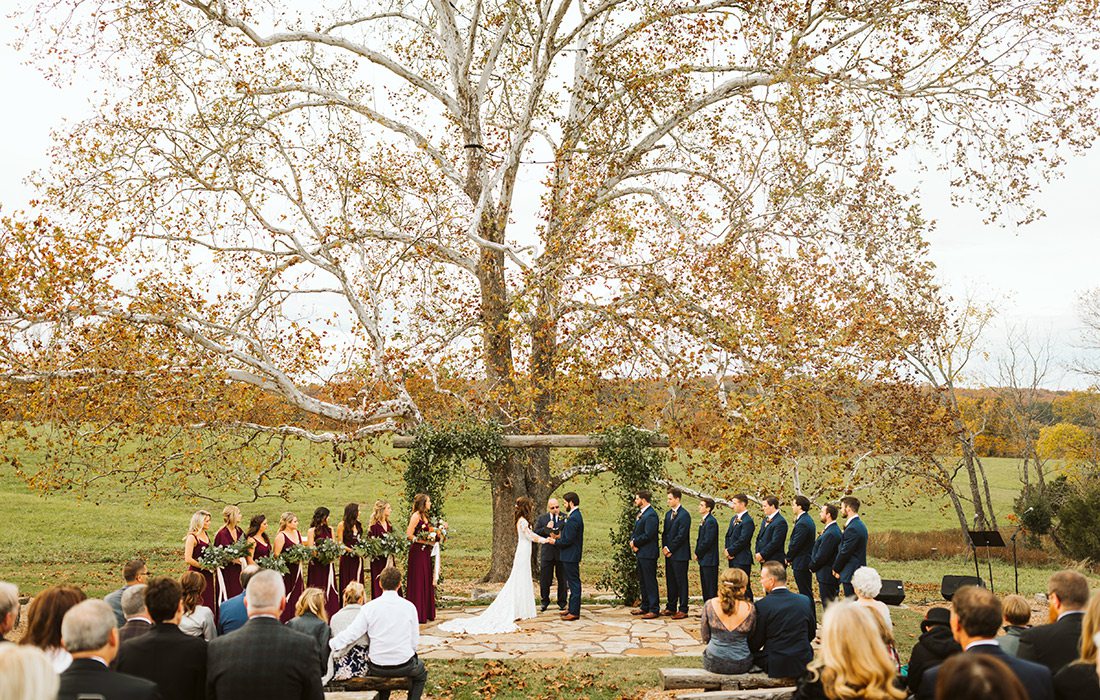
(987, 539)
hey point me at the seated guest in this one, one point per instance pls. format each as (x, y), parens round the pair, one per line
(392, 624)
(44, 616)
(311, 618)
(135, 572)
(264, 659)
(726, 623)
(975, 618)
(868, 584)
(1078, 680)
(978, 677)
(9, 608)
(354, 662)
(785, 626)
(175, 661)
(935, 645)
(1057, 644)
(137, 617)
(89, 633)
(852, 661)
(26, 674)
(197, 620)
(231, 613)
(1017, 621)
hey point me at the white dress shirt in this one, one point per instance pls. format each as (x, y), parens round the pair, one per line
(391, 624)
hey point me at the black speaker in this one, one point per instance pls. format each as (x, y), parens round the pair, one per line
(892, 593)
(950, 584)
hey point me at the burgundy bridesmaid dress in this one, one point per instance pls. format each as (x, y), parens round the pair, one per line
(351, 566)
(376, 565)
(261, 550)
(229, 576)
(292, 580)
(210, 595)
(323, 576)
(421, 588)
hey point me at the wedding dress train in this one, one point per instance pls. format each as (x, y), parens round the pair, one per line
(516, 601)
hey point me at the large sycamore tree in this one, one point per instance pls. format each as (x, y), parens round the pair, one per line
(360, 208)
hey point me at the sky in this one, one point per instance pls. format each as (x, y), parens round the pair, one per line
(1033, 274)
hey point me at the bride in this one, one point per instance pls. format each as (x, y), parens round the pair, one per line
(516, 601)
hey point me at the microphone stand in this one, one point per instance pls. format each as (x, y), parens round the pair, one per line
(1015, 567)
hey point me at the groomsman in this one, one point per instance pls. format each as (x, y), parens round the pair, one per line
(824, 554)
(676, 546)
(852, 552)
(798, 549)
(738, 543)
(773, 533)
(643, 542)
(706, 549)
(550, 566)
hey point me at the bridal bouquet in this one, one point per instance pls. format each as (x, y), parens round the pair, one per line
(327, 551)
(274, 564)
(216, 557)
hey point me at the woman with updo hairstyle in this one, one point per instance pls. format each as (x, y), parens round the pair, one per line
(322, 576)
(311, 620)
(44, 622)
(26, 673)
(380, 526)
(259, 543)
(853, 660)
(287, 538)
(198, 619)
(194, 544)
(726, 624)
(349, 531)
(229, 576)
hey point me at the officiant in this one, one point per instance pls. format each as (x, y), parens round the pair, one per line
(550, 565)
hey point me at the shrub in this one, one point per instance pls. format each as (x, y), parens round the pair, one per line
(1077, 532)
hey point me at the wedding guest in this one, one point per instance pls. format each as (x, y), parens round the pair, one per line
(1057, 644)
(198, 619)
(44, 616)
(260, 544)
(233, 614)
(9, 608)
(286, 538)
(977, 677)
(643, 542)
(229, 576)
(420, 579)
(390, 622)
(89, 633)
(380, 526)
(824, 554)
(738, 540)
(312, 619)
(353, 662)
(264, 659)
(133, 573)
(349, 531)
(725, 626)
(322, 576)
(935, 645)
(800, 548)
(772, 536)
(1078, 680)
(1017, 620)
(785, 626)
(706, 549)
(175, 661)
(867, 584)
(194, 544)
(852, 551)
(550, 565)
(137, 617)
(852, 662)
(26, 674)
(676, 548)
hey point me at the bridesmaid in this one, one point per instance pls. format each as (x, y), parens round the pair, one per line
(196, 542)
(350, 532)
(288, 537)
(229, 576)
(320, 575)
(379, 525)
(259, 544)
(420, 579)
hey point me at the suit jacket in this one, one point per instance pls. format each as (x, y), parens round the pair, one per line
(825, 547)
(802, 542)
(133, 628)
(263, 659)
(1054, 645)
(852, 552)
(1035, 678)
(1077, 681)
(644, 535)
(677, 534)
(785, 626)
(90, 677)
(232, 614)
(771, 538)
(548, 553)
(175, 661)
(114, 599)
(571, 541)
(706, 542)
(315, 627)
(739, 539)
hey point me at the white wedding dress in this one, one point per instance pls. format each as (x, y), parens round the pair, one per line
(516, 601)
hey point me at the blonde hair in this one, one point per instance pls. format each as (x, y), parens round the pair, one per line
(231, 515)
(854, 661)
(312, 600)
(196, 522)
(378, 516)
(1016, 610)
(27, 673)
(354, 592)
(1089, 628)
(284, 520)
(731, 588)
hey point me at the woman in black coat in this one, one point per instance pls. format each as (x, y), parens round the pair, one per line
(935, 645)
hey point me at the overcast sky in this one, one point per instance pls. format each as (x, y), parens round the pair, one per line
(1035, 273)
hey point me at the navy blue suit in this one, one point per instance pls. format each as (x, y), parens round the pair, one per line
(798, 554)
(852, 553)
(771, 538)
(232, 614)
(785, 626)
(738, 546)
(1035, 678)
(644, 538)
(706, 552)
(571, 543)
(677, 540)
(821, 562)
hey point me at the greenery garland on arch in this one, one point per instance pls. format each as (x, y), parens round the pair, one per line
(438, 452)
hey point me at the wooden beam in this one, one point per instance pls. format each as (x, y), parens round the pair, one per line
(581, 441)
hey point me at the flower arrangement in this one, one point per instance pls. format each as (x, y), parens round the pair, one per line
(395, 544)
(274, 564)
(368, 548)
(298, 554)
(391, 544)
(327, 551)
(216, 557)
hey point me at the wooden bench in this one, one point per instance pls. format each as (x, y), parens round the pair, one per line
(365, 683)
(686, 678)
(758, 694)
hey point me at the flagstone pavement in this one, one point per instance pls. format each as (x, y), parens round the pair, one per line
(604, 631)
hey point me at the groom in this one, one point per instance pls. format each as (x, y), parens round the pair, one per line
(569, 543)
